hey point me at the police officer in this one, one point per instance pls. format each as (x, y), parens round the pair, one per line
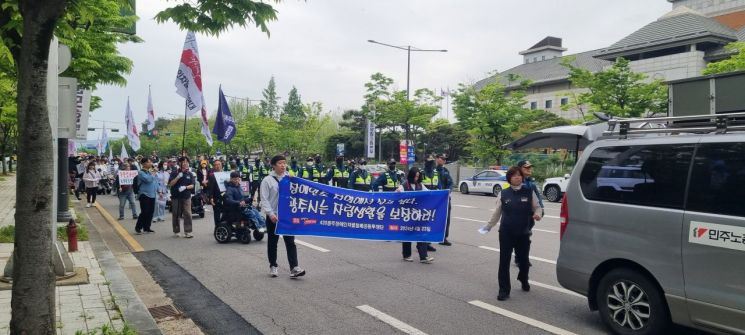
(256, 177)
(526, 170)
(360, 178)
(389, 180)
(309, 170)
(446, 183)
(320, 170)
(431, 180)
(293, 170)
(516, 207)
(339, 173)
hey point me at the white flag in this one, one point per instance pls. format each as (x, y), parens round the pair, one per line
(132, 134)
(150, 111)
(103, 141)
(111, 156)
(189, 76)
(123, 155)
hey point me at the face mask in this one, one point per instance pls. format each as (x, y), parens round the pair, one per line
(310, 163)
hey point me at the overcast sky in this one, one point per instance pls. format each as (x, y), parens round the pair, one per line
(320, 46)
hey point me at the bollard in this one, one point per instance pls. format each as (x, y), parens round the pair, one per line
(72, 236)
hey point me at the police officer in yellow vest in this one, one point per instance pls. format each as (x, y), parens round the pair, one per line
(339, 173)
(309, 171)
(430, 176)
(360, 179)
(388, 180)
(293, 170)
(256, 177)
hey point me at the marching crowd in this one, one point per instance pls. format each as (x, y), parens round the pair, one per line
(178, 181)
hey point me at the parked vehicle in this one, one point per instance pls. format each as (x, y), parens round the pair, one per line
(554, 188)
(665, 242)
(487, 181)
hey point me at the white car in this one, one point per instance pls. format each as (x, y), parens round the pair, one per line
(487, 181)
(554, 188)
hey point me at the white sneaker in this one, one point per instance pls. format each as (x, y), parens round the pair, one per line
(273, 271)
(408, 259)
(262, 230)
(427, 260)
(176, 235)
(87, 205)
(188, 235)
(297, 272)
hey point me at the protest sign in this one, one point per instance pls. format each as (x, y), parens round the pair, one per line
(221, 177)
(246, 188)
(127, 177)
(308, 208)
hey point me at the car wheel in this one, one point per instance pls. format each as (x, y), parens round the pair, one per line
(552, 193)
(629, 303)
(496, 190)
(245, 236)
(258, 235)
(464, 188)
(223, 232)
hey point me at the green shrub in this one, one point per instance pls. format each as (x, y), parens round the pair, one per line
(7, 234)
(109, 330)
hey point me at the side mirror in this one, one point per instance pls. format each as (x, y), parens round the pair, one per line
(566, 176)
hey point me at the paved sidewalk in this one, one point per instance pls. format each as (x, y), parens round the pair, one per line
(7, 200)
(79, 307)
(107, 299)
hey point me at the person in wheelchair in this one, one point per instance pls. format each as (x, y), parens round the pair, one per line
(235, 202)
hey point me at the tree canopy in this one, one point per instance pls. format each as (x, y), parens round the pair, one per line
(734, 63)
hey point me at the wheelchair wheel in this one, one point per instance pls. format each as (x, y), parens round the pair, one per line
(245, 236)
(223, 232)
(258, 235)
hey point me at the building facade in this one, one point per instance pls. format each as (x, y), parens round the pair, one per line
(676, 46)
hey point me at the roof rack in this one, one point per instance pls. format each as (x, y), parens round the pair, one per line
(717, 123)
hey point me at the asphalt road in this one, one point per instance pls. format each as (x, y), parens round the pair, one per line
(362, 287)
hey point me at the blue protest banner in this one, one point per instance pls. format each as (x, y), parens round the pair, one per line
(308, 208)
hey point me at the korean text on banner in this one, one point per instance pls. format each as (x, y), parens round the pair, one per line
(127, 177)
(308, 208)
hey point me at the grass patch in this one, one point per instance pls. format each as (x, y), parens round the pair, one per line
(7, 234)
(109, 330)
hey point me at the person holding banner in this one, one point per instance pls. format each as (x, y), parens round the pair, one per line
(215, 192)
(517, 206)
(446, 183)
(414, 183)
(270, 206)
(125, 192)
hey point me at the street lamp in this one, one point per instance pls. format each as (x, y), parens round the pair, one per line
(408, 49)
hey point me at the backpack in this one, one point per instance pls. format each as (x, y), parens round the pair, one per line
(136, 185)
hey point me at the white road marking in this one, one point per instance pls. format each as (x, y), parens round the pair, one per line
(482, 221)
(551, 216)
(524, 319)
(557, 289)
(306, 244)
(393, 322)
(467, 219)
(531, 257)
(465, 206)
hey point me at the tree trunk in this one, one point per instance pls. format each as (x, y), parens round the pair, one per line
(33, 302)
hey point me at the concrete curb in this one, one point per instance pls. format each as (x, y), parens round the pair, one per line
(133, 309)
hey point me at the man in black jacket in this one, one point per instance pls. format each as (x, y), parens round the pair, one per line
(214, 192)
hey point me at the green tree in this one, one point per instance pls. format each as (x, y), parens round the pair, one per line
(8, 119)
(538, 119)
(292, 112)
(27, 28)
(735, 63)
(270, 104)
(617, 90)
(443, 137)
(491, 116)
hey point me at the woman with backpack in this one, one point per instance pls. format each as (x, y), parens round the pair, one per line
(414, 183)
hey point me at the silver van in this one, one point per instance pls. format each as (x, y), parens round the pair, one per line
(671, 247)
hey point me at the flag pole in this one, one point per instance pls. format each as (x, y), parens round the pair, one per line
(183, 135)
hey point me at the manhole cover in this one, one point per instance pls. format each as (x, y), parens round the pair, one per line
(160, 312)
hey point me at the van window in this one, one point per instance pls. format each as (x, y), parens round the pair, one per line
(651, 175)
(718, 179)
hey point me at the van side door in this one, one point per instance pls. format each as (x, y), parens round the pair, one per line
(714, 246)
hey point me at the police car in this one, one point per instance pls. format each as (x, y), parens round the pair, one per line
(554, 188)
(487, 181)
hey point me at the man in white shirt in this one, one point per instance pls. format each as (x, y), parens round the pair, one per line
(270, 206)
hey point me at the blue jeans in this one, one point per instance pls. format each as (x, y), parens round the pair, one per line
(254, 215)
(123, 198)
